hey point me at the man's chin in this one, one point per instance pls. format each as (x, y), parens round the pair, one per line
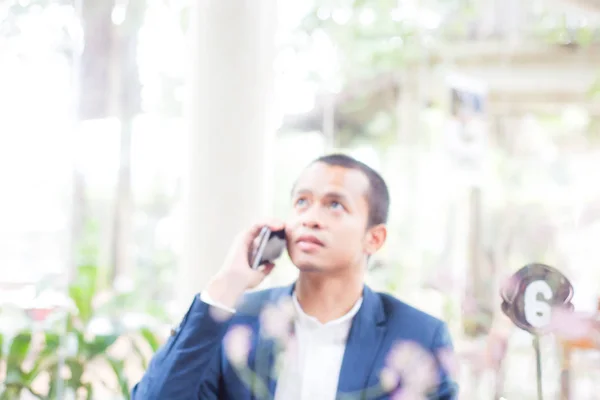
(305, 265)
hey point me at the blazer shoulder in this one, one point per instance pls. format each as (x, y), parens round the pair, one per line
(253, 302)
(398, 312)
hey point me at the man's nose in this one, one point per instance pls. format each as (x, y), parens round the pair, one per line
(311, 219)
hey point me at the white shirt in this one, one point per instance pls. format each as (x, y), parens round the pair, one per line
(312, 371)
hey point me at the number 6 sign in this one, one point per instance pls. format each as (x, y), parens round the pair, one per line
(531, 293)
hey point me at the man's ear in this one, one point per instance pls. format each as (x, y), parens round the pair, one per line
(375, 238)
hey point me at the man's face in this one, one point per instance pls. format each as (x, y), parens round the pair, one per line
(327, 228)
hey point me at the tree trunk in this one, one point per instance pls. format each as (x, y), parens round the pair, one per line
(129, 105)
(94, 97)
(92, 74)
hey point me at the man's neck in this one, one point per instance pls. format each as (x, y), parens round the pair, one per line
(328, 297)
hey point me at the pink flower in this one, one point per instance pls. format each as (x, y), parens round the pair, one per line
(509, 287)
(408, 394)
(218, 314)
(276, 320)
(449, 362)
(39, 314)
(414, 365)
(237, 344)
(389, 379)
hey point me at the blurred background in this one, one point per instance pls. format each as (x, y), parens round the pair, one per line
(138, 136)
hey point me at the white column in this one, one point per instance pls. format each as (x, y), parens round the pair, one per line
(230, 132)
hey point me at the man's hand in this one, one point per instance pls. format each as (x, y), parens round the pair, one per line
(235, 275)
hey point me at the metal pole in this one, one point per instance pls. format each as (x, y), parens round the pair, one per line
(538, 362)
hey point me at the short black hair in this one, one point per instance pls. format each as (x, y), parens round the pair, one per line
(378, 196)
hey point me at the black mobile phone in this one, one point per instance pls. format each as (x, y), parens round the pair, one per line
(269, 246)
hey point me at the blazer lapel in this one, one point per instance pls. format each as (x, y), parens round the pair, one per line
(262, 363)
(362, 346)
(265, 351)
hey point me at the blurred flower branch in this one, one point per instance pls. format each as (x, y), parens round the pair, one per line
(410, 372)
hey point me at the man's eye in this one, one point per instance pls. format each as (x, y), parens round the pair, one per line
(301, 202)
(336, 205)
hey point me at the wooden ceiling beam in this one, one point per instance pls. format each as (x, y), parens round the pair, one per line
(507, 109)
(542, 96)
(503, 53)
(587, 6)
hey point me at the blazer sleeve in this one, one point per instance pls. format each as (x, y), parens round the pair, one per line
(187, 366)
(447, 388)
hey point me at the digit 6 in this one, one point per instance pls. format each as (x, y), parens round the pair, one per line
(531, 293)
(537, 312)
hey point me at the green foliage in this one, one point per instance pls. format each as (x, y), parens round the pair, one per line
(374, 38)
(9, 25)
(366, 49)
(16, 378)
(594, 92)
(82, 291)
(72, 346)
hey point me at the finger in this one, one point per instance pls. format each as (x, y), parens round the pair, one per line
(252, 233)
(266, 269)
(275, 225)
(272, 223)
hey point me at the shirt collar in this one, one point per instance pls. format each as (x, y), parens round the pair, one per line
(336, 330)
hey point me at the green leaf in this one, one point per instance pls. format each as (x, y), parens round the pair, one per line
(54, 378)
(594, 90)
(77, 368)
(120, 301)
(83, 289)
(11, 392)
(19, 348)
(90, 391)
(118, 367)
(584, 36)
(185, 17)
(139, 353)
(151, 339)
(97, 346)
(47, 356)
(52, 342)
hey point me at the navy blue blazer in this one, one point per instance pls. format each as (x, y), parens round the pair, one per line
(192, 365)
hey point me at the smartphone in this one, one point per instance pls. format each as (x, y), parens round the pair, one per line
(269, 246)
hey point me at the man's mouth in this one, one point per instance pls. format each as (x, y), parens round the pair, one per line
(308, 243)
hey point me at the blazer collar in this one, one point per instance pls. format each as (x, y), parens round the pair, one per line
(367, 331)
(363, 345)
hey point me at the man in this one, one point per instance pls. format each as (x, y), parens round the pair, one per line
(346, 334)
